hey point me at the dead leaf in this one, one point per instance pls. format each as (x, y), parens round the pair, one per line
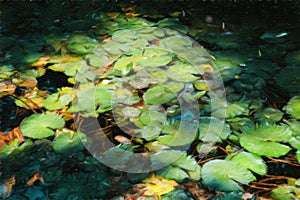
(7, 89)
(113, 15)
(41, 62)
(8, 185)
(247, 196)
(36, 177)
(122, 139)
(28, 83)
(10, 136)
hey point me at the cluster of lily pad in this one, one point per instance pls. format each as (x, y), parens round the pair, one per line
(132, 74)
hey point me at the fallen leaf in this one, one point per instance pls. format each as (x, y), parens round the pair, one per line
(7, 187)
(42, 61)
(36, 177)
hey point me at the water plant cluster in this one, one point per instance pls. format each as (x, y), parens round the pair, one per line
(134, 76)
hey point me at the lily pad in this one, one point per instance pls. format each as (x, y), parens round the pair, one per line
(158, 95)
(172, 172)
(67, 144)
(236, 109)
(207, 132)
(225, 175)
(57, 100)
(251, 161)
(155, 61)
(262, 140)
(268, 115)
(293, 107)
(40, 126)
(285, 192)
(177, 42)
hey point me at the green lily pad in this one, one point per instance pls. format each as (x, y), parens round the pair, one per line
(172, 23)
(174, 173)
(150, 116)
(224, 175)
(72, 68)
(98, 60)
(150, 132)
(285, 192)
(207, 132)
(251, 161)
(262, 140)
(40, 126)
(165, 157)
(298, 156)
(236, 109)
(67, 144)
(177, 42)
(240, 123)
(183, 72)
(124, 36)
(181, 166)
(155, 61)
(89, 98)
(158, 95)
(57, 101)
(14, 148)
(268, 115)
(293, 107)
(294, 126)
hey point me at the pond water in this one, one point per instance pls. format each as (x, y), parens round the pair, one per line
(54, 54)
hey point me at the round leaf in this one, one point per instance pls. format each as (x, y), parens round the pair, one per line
(293, 107)
(224, 175)
(263, 140)
(41, 125)
(158, 95)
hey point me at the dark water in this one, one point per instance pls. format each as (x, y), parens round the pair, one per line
(270, 28)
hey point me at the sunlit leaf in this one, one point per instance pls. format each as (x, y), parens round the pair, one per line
(262, 140)
(293, 107)
(208, 131)
(285, 192)
(157, 185)
(60, 62)
(41, 125)
(57, 101)
(67, 143)
(268, 115)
